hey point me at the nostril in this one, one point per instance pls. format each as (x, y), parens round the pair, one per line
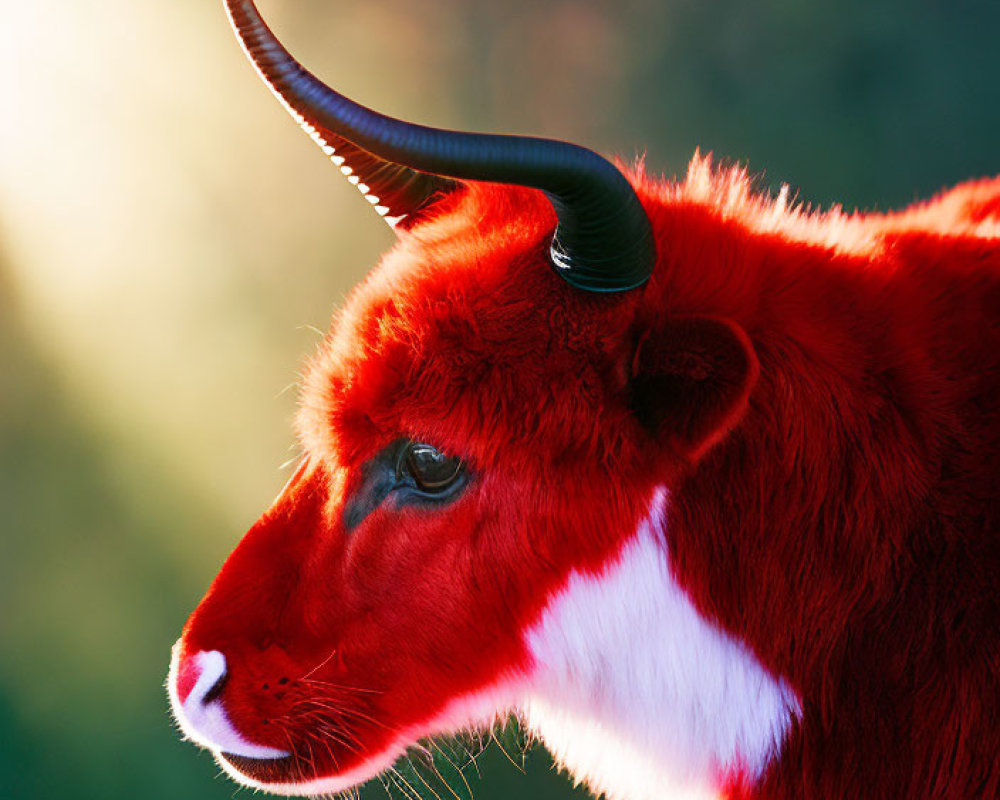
(201, 677)
(214, 690)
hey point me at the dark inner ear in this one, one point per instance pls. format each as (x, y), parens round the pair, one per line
(691, 377)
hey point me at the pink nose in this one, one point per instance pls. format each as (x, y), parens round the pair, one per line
(201, 676)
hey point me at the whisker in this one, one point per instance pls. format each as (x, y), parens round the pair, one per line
(296, 765)
(459, 770)
(503, 750)
(329, 726)
(345, 687)
(321, 664)
(340, 711)
(326, 746)
(441, 777)
(329, 732)
(385, 785)
(423, 780)
(470, 757)
(338, 739)
(402, 784)
(353, 712)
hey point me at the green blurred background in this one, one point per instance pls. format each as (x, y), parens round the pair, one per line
(170, 242)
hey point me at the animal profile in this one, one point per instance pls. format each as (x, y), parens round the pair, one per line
(700, 485)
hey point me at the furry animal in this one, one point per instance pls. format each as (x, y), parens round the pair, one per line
(700, 484)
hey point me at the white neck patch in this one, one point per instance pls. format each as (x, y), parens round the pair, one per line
(638, 695)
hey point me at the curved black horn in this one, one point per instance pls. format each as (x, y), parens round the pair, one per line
(603, 242)
(397, 192)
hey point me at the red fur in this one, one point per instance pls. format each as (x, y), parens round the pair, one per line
(818, 391)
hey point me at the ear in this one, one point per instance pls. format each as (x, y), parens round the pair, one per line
(691, 379)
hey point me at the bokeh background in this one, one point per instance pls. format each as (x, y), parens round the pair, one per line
(171, 244)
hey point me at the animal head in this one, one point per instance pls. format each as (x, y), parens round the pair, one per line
(499, 424)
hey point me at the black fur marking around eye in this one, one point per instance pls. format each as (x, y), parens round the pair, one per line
(387, 475)
(378, 479)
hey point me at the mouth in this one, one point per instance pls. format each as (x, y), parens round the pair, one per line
(320, 770)
(285, 769)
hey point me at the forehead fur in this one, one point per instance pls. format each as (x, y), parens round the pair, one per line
(465, 337)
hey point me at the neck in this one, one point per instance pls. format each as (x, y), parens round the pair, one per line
(639, 695)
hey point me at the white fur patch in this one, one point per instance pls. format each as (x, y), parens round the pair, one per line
(638, 695)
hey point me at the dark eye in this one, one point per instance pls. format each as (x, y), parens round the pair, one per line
(431, 470)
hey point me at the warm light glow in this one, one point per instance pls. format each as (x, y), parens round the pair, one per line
(139, 220)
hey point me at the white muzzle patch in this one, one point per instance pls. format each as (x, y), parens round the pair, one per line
(202, 717)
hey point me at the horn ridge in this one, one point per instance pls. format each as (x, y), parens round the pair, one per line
(397, 192)
(603, 240)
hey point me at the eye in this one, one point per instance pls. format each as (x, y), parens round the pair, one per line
(431, 470)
